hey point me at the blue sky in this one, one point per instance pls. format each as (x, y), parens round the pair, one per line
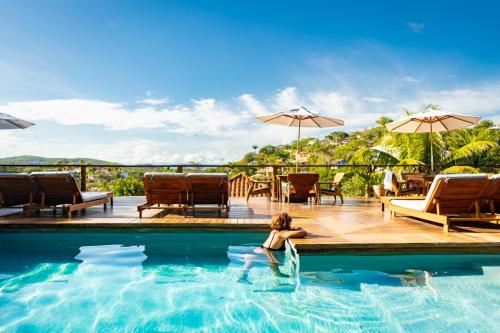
(180, 81)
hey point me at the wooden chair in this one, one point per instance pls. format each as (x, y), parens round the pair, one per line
(402, 189)
(335, 187)
(258, 187)
(164, 191)
(60, 189)
(414, 181)
(450, 198)
(208, 189)
(299, 187)
(17, 190)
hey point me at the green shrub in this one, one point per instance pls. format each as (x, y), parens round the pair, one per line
(354, 186)
(377, 178)
(128, 186)
(460, 169)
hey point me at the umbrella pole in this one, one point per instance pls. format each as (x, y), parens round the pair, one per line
(297, 154)
(432, 153)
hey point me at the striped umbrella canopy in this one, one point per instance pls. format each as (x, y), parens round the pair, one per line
(432, 121)
(9, 122)
(300, 117)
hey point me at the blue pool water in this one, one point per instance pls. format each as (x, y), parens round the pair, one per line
(218, 282)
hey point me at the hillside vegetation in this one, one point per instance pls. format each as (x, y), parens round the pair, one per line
(29, 159)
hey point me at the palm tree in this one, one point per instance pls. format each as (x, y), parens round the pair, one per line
(473, 147)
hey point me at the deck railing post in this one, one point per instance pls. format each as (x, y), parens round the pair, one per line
(83, 180)
(274, 183)
(179, 169)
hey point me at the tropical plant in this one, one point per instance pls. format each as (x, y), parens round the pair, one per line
(460, 169)
(128, 186)
(473, 147)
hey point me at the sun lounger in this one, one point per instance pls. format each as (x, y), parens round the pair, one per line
(450, 198)
(208, 189)
(492, 198)
(299, 187)
(60, 189)
(164, 191)
(17, 190)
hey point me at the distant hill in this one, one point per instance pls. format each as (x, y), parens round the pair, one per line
(27, 159)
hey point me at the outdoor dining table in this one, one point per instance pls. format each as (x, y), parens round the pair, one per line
(423, 181)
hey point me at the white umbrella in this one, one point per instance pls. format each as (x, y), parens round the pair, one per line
(432, 121)
(9, 122)
(300, 117)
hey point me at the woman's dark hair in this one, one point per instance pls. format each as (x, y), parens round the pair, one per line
(281, 221)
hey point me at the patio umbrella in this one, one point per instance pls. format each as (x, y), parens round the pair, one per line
(432, 121)
(9, 122)
(300, 117)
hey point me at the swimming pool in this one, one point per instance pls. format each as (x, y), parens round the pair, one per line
(206, 281)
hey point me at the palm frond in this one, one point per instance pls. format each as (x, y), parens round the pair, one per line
(472, 149)
(460, 169)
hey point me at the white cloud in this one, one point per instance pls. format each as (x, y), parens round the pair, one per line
(287, 99)
(204, 116)
(375, 100)
(482, 100)
(333, 103)
(252, 105)
(410, 79)
(130, 151)
(416, 27)
(153, 101)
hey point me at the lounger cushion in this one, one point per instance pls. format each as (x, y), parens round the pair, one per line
(91, 196)
(412, 204)
(53, 173)
(207, 175)
(164, 174)
(14, 174)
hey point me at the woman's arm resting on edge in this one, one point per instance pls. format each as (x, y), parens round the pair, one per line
(296, 233)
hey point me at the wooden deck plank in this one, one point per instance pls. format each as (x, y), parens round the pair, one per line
(356, 226)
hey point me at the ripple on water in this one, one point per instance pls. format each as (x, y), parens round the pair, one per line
(110, 290)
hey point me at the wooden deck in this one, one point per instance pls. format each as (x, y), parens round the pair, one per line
(357, 226)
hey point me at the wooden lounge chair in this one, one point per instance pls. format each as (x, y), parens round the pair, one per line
(492, 198)
(164, 191)
(335, 188)
(450, 198)
(17, 190)
(60, 189)
(208, 189)
(299, 187)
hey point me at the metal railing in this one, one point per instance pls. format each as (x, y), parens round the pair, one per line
(276, 168)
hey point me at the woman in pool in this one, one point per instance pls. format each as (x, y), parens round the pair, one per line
(281, 231)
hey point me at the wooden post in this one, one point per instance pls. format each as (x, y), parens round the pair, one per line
(83, 180)
(179, 169)
(274, 185)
